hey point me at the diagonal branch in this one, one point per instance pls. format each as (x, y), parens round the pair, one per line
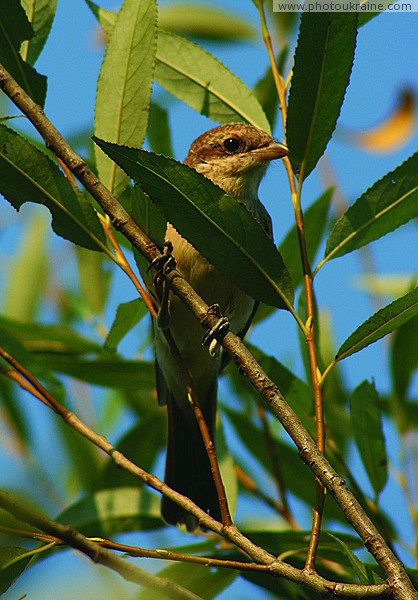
(397, 578)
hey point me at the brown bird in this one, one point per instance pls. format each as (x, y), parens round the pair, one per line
(235, 157)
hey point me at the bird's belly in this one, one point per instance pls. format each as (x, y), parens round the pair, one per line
(185, 329)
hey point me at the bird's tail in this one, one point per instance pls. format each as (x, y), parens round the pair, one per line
(187, 467)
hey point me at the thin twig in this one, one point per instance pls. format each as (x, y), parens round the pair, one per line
(309, 330)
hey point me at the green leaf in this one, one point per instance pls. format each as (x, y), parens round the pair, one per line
(14, 29)
(198, 78)
(323, 61)
(389, 203)
(28, 270)
(13, 561)
(106, 18)
(36, 337)
(315, 222)
(404, 356)
(366, 425)
(152, 223)
(360, 569)
(40, 14)
(204, 21)
(384, 321)
(105, 372)
(265, 89)
(94, 278)
(141, 445)
(124, 85)
(204, 83)
(128, 314)
(213, 222)
(28, 175)
(113, 511)
(206, 583)
(158, 132)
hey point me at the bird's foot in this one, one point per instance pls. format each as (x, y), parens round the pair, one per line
(164, 263)
(221, 328)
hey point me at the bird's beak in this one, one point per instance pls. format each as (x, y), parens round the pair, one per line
(271, 152)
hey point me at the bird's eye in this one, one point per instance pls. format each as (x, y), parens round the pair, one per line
(231, 144)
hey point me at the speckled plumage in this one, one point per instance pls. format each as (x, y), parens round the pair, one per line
(239, 173)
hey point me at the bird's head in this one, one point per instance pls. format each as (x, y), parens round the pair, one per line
(235, 156)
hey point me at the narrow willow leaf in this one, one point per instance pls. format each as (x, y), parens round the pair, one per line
(315, 221)
(124, 85)
(113, 511)
(205, 583)
(94, 279)
(142, 444)
(389, 203)
(204, 83)
(153, 223)
(265, 89)
(359, 568)
(158, 132)
(14, 29)
(48, 338)
(205, 22)
(380, 324)
(106, 18)
(198, 78)
(13, 561)
(40, 14)
(289, 463)
(28, 270)
(404, 356)
(105, 372)
(366, 427)
(323, 61)
(128, 314)
(28, 175)
(217, 225)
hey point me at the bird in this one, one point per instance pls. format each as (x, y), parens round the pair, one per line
(234, 156)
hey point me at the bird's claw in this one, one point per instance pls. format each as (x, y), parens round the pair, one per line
(220, 328)
(164, 263)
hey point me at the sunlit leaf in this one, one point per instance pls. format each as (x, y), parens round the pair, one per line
(212, 221)
(204, 83)
(40, 14)
(366, 425)
(323, 61)
(389, 203)
(198, 78)
(94, 279)
(380, 324)
(14, 29)
(124, 85)
(28, 175)
(205, 22)
(28, 270)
